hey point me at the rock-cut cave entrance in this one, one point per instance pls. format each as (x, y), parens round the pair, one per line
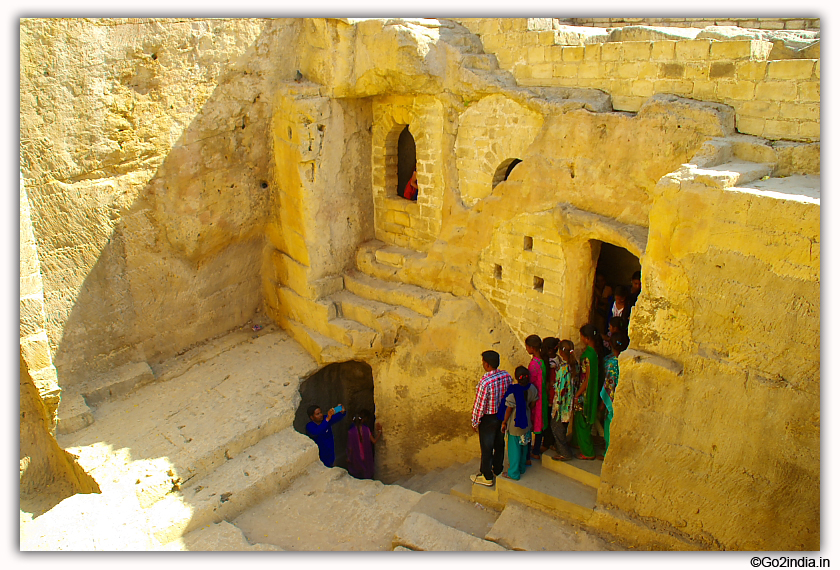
(615, 267)
(347, 383)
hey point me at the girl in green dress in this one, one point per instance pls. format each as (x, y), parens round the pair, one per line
(586, 397)
(618, 343)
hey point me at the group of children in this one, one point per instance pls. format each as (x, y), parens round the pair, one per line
(558, 392)
(361, 437)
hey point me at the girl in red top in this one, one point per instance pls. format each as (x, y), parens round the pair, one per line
(410, 192)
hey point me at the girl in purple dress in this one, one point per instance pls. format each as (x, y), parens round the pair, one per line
(360, 442)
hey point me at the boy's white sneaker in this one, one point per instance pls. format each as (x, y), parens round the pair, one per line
(480, 480)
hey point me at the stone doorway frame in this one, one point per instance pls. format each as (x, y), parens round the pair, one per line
(580, 230)
(597, 257)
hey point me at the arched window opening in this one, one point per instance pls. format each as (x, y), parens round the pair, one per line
(504, 170)
(406, 166)
(347, 383)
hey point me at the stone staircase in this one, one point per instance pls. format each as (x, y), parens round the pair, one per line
(202, 447)
(744, 164)
(565, 489)
(205, 458)
(439, 480)
(372, 311)
(729, 162)
(544, 510)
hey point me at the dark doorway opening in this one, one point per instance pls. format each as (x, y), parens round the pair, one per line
(347, 383)
(504, 170)
(617, 266)
(406, 162)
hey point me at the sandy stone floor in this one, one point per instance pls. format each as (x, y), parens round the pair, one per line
(230, 394)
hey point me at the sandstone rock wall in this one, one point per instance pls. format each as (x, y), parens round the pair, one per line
(772, 99)
(425, 389)
(34, 343)
(208, 178)
(731, 282)
(146, 155)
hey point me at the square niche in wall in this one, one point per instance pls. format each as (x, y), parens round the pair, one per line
(529, 243)
(539, 284)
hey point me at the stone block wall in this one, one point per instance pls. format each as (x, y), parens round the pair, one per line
(491, 133)
(772, 99)
(523, 274)
(401, 222)
(752, 23)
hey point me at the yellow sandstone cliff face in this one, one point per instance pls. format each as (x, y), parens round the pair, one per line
(145, 154)
(732, 301)
(208, 181)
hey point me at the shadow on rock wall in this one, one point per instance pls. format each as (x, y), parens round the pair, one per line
(149, 222)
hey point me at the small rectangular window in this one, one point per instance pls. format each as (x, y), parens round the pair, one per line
(529, 243)
(497, 273)
(539, 283)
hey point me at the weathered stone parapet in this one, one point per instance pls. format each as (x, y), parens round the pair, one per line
(731, 71)
(761, 23)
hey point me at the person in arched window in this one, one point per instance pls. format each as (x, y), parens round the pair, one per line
(410, 192)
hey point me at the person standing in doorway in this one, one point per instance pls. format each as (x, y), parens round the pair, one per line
(619, 308)
(320, 430)
(635, 291)
(485, 420)
(360, 443)
(601, 295)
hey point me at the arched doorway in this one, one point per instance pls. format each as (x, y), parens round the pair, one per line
(406, 160)
(347, 383)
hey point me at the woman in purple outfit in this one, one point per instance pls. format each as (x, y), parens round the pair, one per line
(360, 442)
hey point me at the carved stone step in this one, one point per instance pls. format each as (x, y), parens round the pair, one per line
(731, 174)
(586, 472)
(422, 532)
(538, 488)
(417, 299)
(266, 468)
